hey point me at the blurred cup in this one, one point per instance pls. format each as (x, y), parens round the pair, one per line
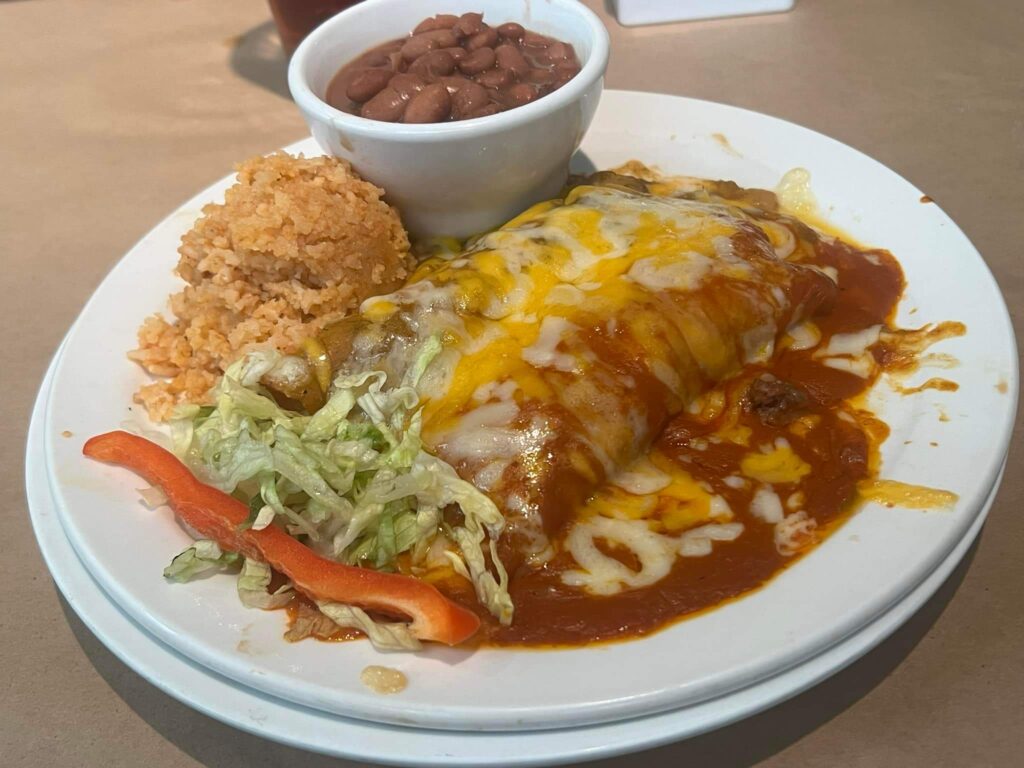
(297, 18)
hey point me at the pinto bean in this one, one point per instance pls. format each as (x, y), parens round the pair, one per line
(368, 84)
(510, 31)
(424, 42)
(407, 85)
(519, 94)
(563, 74)
(495, 78)
(455, 83)
(469, 99)
(509, 57)
(433, 65)
(431, 105)
(457, 53)
(441, 21)
(539, 76)
(388, 106)
(558, 52)
(478, 61)
(490, 109)
(534, 40)
(485, 38)
(469, 24)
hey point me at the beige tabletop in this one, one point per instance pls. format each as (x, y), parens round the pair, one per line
(112, 113)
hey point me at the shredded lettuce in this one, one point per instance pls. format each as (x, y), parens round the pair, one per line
(152, 497)
(202, 557)
(385, 637)
(353, 481)
(253, 582)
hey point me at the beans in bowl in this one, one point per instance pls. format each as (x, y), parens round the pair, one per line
(452, 68)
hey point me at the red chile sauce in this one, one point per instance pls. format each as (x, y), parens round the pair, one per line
(452, 68)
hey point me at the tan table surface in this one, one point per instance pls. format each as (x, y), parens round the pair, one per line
(112, 113)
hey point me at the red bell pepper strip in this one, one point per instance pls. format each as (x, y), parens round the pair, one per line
(217, 516)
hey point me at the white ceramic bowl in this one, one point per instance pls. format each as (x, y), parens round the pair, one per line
(461, 177)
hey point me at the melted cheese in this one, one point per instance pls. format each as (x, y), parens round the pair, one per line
(488, 478)
(850, 352)
(656, 510)
(600, 574)
(858, 366)
(535, 273)
(850, 344)
(766, 505)
(643, 477)
(778, 463)
(674, 271)
(894, 493)
(794, 532)
(697, 542)
(803, 336)
(604, 575)
(782, 238)
(484, 435)
(507, 308)
(544, 353)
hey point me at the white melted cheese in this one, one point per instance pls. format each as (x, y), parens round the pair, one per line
(829, 271)
(673, 271)
(529, 526)
(600, 574)
(604, 575)
(793, 533)
(697, 541)
(667, 375)
(719, 508)
(487, 479)
(483, 434)
(782, 237)
(493, 390)
(850, 344)
(759, 344)
(803, 336)
(544, 353)
(641, 478)
(850, 351)
(858, 366)
(766, 505)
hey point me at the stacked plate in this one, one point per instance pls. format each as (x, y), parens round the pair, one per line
(197, 643)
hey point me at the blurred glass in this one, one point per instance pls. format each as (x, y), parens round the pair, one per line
(297, 18)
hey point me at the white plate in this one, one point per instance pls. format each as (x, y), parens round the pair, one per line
(309, 729)
(855, 576)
